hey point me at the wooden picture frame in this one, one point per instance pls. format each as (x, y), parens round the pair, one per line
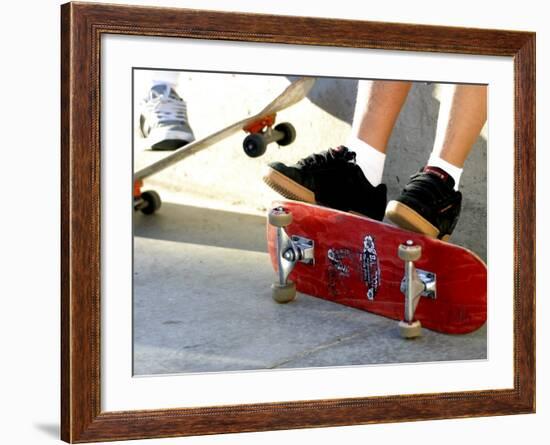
(82, 26)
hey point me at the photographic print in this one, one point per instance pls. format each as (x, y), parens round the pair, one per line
(297, 222)
(248, 215)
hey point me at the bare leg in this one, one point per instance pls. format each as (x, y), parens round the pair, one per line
(378, 105)
(462, 114)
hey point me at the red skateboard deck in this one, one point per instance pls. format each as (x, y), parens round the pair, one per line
(356, 264)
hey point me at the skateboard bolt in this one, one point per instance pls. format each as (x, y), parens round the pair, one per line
(289, 255)
(409, 243)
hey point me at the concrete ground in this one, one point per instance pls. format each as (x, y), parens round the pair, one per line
(202, 303)
(202, 300)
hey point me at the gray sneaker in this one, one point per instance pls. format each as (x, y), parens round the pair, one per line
(163, 121)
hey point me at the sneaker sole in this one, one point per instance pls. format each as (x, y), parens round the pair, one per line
(162, 140)
(406, 218)
(287, 187)
(169, 145)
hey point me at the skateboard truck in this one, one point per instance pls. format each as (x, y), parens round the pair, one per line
(263, 133)
(416, 283)
(290, 251)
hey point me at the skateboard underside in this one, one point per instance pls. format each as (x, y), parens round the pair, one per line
(356, 264)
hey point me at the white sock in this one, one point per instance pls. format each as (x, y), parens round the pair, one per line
(368, 158)
(454, 171)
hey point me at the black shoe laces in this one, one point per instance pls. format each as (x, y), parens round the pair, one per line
(340, 154)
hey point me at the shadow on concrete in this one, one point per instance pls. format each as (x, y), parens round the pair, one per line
(204, 226)
(333, 95)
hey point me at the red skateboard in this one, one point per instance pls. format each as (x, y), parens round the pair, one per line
(377, 267)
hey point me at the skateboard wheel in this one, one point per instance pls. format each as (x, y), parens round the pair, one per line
(153, 201)
(409, 253)
(289, 133)
(279, 217)
(254, 145)
(283, 293)
(410, 330)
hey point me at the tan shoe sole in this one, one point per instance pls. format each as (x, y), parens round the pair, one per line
(406, 218)
(287, 187)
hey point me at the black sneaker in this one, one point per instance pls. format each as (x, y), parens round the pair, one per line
(331, 179)
(428, 204)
